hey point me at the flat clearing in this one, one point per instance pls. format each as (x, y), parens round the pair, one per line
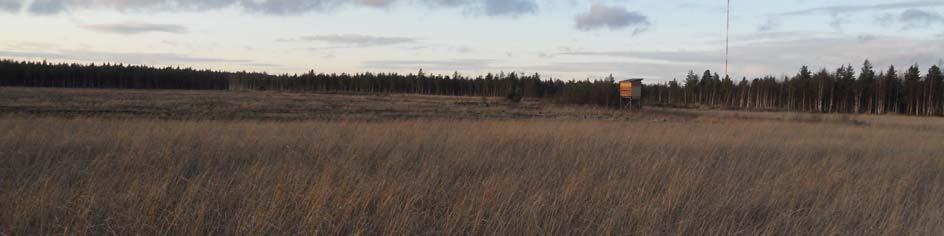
(257, 163)
(179, 104)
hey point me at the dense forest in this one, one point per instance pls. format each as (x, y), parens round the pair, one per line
(511, 85)
(844, 90)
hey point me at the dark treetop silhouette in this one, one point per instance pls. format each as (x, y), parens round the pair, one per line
(844, 90)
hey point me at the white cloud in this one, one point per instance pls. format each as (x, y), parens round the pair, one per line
(839, 13)
(137, 28)
(374, 3)
(512, 8)
(10, 5)
(772, 23)
(601, 16)
(784, 56)
(355, 40)
(866, 7)
(122, 57)
(432, 65)
(917, 18)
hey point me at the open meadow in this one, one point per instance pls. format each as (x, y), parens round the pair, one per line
(135, 162)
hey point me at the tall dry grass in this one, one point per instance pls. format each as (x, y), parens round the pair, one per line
(96, 176)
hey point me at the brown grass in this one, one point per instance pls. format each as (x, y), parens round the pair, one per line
(665, 172)
(223, 105)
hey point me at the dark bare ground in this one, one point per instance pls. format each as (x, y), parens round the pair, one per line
(285, 106)
(237, 105)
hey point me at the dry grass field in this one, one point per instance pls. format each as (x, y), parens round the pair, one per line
(93, 162)
(224, 105)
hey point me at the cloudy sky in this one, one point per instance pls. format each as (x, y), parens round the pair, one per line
(657, 40)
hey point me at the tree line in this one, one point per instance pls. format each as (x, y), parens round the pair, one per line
(511, 85)
(844, 90)
(44, 74)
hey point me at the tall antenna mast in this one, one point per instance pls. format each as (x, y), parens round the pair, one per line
(727, 37)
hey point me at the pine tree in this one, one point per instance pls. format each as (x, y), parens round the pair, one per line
(911, 91)
(866, 88)
(936, 87)
(691, 87)
(892, 87)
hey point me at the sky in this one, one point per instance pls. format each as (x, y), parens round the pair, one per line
(565, 39)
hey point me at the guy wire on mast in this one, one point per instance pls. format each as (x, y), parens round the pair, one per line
(727, 37)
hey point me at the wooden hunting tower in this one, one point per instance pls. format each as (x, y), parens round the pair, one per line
(631, 93)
